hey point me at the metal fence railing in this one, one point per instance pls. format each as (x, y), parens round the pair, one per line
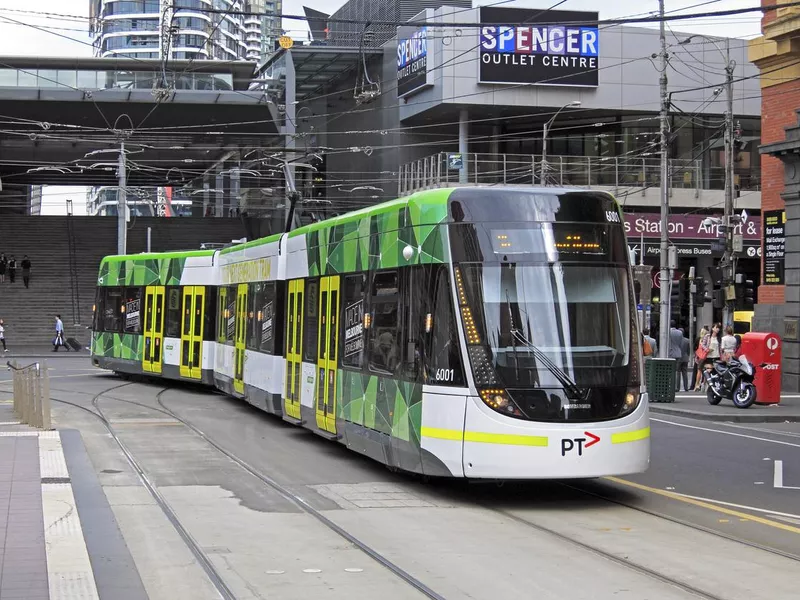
(524, 169)
(31, 394)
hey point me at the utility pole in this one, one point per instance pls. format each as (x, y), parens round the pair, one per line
(728, 261)
(664, 277)
(692, 292)
(122, 203)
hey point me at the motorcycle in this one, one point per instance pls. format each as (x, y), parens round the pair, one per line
(733, 381)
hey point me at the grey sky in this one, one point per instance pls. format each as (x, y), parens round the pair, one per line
(69, 36)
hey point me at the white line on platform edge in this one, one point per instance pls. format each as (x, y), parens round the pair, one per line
(750, 437)
(69, 571)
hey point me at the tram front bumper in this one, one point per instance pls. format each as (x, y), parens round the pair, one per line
(498, 447)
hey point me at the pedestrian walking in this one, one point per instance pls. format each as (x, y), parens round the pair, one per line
(3, 335)
(12, 269)
(651, 341)
(3, 267)
(26, 271)
(59, 339)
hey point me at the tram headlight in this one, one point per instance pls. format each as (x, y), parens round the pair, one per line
(497, 399)
(632, 399)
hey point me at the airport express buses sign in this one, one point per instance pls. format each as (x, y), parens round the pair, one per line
(553, 47)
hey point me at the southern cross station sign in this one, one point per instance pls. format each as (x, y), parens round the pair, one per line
(557, 48)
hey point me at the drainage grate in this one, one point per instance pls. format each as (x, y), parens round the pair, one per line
(55, 480)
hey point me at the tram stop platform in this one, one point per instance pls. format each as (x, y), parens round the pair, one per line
(58, 537)
(694, 405)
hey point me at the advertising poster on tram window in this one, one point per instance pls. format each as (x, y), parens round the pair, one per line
(231, 324)
(266, 323)
(537, 47)
(413, 71)
(774, 229)
(132, 314)
(354, 328)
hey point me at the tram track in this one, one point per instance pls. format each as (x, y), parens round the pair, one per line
(164, 409)
(297, 500)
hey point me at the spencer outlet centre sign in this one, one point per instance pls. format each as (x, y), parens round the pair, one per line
(412, 60)
(521, 46)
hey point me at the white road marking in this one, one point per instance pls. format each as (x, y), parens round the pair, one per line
(777, 476)
(750, 437)
(742, 506)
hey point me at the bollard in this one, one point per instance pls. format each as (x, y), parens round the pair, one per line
(16, 387)
(37, 398)
(46, 421)
(28, 397)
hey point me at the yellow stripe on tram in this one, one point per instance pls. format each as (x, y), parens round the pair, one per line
(484, 438)
(630, 436)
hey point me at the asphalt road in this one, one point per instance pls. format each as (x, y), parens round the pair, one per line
(712, 477)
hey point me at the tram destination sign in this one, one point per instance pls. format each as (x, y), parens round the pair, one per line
(525, 46)
(412, 60)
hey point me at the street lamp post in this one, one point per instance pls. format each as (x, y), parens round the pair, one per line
(543, 178)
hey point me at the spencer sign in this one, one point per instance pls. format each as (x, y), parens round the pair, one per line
(412, 60)
(539, 48)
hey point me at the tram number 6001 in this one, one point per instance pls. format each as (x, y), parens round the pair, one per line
(444, 374)
(612, 216)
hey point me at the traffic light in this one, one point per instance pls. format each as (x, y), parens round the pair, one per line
(719, 298)
(748, 295)
(679, 296)
(700, 292)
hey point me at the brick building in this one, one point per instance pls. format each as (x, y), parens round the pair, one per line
(777, 55)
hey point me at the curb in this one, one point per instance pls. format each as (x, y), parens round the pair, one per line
(744, 417)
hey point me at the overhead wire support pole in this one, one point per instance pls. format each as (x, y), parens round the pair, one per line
(728, 267)
(664, 275)
(122, 203)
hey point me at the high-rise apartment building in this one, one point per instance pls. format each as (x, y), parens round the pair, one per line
(200, 29)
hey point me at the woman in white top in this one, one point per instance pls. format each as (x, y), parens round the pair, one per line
(728, 344)
(3, 334)
(712, 342)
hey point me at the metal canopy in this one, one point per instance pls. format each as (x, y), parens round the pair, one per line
(318, 66)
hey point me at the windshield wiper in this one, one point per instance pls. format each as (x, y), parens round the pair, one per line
(571, 388)
(513, 341)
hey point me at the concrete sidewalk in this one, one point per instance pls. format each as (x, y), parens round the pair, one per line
(59, 539)
(39, 351)
(695, 406)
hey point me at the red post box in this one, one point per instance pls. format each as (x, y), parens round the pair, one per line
(764, 349)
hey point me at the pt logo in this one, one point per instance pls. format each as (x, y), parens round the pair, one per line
(578, 444)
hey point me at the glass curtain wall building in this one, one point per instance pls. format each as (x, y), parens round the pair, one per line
(135, 29)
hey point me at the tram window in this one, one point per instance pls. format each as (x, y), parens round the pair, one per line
(230, 315)
(353, 320)
(253, 302)
(311, 320)
(172, 326)
(384, 354)
(97, 317)
(133, 310)
(266, 319)
(444, 365)
(112, 310)
(209, 316)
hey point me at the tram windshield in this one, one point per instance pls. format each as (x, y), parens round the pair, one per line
(551, 326)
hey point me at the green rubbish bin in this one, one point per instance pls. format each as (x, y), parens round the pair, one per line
(660, 376)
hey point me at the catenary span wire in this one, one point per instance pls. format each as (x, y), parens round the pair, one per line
(617, 21)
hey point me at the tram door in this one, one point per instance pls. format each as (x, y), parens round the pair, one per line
(327, 356)
(294, 343)
(194, 297)
(240, 338)
(153, 328)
